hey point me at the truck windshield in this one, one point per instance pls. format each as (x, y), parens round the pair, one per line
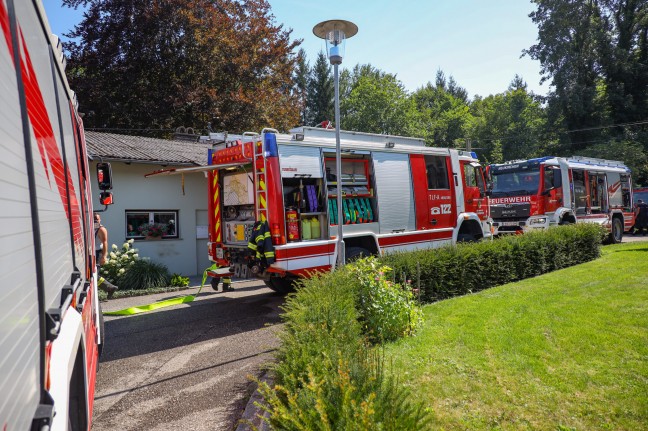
(515, 182)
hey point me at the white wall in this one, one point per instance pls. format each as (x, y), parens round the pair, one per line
(131, 191)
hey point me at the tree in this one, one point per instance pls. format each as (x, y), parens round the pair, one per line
(321, 92)
(378, 103)
(167, 63)
(511, 125)
(445, 111)
(594, 52)
(302, 73)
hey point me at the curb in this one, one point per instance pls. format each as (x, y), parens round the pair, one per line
(252, 417)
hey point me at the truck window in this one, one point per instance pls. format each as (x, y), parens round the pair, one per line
(474, 176)
(437, 172)
(580, 192)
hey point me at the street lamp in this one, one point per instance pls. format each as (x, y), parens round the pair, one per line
(335, 32)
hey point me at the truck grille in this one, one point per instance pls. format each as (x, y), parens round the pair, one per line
(510, 211)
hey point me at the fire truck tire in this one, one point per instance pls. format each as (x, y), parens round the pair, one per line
(281, 285)
(355, 253)
(616, 236)
(466, 237)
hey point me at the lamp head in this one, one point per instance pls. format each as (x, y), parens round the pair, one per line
(335, 32)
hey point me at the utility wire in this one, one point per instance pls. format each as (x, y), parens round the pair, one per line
(637, 123)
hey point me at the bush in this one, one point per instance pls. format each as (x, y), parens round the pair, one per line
(386, 310)
(178, 280)
(118, 261)
(465, 268)
(327, 376)
(144, 274)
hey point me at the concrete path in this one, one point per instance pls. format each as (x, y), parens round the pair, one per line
(186, 366)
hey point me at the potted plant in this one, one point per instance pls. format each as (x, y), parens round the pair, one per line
(153, 230)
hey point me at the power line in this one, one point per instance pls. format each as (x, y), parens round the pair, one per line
(637, 123)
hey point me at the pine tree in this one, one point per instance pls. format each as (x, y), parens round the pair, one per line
(301, 76)
(321, 92)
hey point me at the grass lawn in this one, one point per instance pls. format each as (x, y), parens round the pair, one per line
(564, 351)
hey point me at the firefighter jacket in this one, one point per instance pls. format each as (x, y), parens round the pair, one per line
(260, 243)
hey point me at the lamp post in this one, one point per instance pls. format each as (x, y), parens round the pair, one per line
(335, 32)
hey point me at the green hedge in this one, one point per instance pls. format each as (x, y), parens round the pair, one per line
(457, 270)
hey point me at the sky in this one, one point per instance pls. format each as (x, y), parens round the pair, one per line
(478, 42)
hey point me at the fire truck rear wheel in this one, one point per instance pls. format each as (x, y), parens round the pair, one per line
(355, 253)
(616, 236)
(280, 284)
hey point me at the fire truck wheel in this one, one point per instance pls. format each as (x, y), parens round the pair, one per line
(466, 237)
(617, 231)
(355, 253)
(214, 283)
(280, 285)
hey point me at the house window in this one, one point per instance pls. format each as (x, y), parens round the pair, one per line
(143, 223)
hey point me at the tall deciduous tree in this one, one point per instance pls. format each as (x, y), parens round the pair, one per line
(166, 63)
(595, 54)
(376, 102)
(510, 125)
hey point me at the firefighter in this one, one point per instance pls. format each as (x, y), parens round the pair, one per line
(641, 220)
(101, 249)
(260, 246)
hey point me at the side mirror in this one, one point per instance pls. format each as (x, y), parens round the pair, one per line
(104, 176)
(547, 191)
(106, 198)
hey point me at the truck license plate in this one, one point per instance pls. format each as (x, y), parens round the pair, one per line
(509, 223)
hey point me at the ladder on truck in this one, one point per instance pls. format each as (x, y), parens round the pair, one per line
(260, 176)
(261, 189)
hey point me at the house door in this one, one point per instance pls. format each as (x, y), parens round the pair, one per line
(202, 258)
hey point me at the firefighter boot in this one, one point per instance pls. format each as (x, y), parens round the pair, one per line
(227, 285)
(108, 287)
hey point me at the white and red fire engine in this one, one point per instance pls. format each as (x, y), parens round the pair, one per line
(50, 319)
(538, 193)
(398, 195)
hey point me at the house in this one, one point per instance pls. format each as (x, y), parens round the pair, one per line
(179, 203)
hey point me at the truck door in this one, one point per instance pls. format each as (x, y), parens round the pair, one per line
(441, 208)
(474, 189)
(552, 190)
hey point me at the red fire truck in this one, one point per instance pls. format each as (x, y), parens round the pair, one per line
(538, 193)
(398, 195)
(50, 319)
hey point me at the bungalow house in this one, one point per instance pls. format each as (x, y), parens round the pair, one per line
(177, 203)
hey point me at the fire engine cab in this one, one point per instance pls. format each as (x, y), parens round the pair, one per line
(538, 193)
(397, 194)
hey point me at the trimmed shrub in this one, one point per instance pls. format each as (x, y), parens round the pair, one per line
(144, 274)
(451, 271)
(327, 375)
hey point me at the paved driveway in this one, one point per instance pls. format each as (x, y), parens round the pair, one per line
(187, 366)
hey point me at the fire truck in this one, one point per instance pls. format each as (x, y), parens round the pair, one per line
(397, 195)
(51, 329)
(542, 192)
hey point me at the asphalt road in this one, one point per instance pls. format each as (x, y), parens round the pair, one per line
(186, 366)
